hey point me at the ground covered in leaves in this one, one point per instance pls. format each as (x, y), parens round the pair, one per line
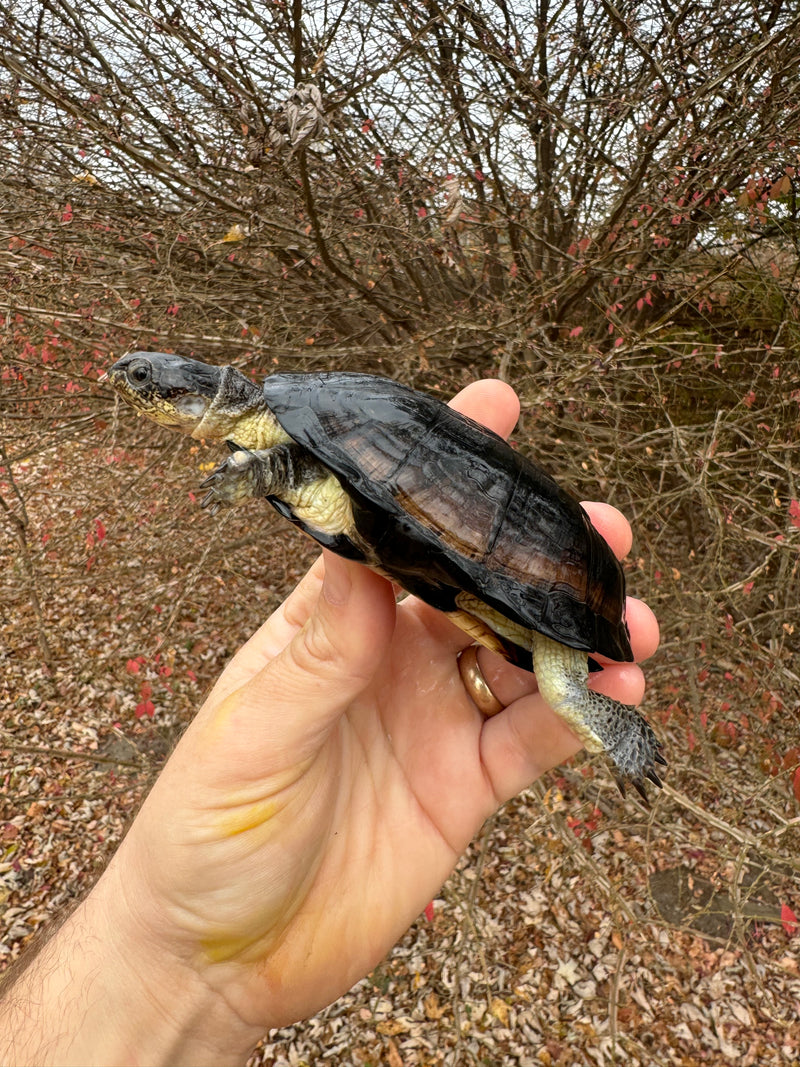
(579, 929)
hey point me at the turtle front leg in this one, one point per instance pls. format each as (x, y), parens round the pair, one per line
(602, 724)
(297, 485)
(267, 472)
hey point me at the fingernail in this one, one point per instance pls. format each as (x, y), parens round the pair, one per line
(336, 583)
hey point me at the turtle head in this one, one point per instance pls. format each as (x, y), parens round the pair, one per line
(171, 390)
(195, 398)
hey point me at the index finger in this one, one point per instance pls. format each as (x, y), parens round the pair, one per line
(491, 402)
(495, 405)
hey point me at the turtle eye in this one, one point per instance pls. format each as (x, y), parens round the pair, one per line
(140, 372)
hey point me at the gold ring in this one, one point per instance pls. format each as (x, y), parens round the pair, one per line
(475, 684)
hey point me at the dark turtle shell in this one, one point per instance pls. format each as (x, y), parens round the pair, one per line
(446, 505)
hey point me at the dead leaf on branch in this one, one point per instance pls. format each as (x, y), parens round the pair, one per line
(454, 205)
(301, 119)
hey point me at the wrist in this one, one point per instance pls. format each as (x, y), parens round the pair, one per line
(103, 991)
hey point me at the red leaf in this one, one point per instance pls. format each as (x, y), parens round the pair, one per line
(66, 214)
(429, 912)
(132, 666)
(796, 785)
(99, 529)
(576, 331)
(378, 161)
(145, 708)
(794, 513)
(789, 920)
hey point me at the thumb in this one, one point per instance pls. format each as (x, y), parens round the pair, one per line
(332, 658)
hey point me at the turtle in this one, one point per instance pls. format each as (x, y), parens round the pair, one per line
(391, 477)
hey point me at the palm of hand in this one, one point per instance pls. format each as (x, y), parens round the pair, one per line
(316, 851)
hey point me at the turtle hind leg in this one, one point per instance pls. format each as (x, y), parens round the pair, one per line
(602, 724)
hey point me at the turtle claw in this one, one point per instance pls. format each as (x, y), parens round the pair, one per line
(638, 784)
(653, 777)
(210, 501)
(211, 481)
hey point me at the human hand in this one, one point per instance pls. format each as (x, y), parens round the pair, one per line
(333, 777)
(314, 806)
